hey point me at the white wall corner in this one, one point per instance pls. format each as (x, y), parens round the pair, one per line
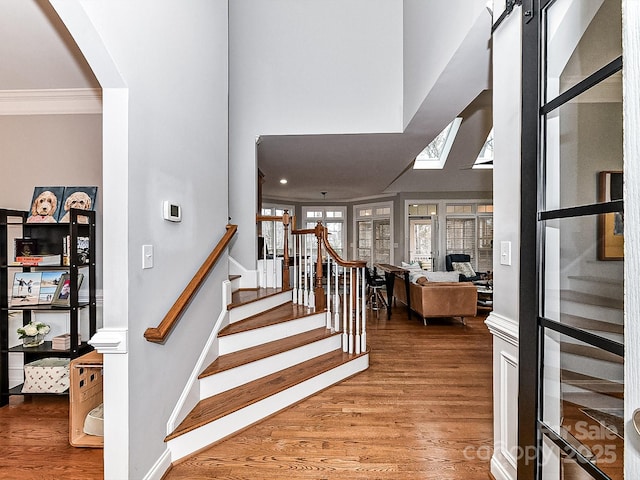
(248, 278)
(110, 340)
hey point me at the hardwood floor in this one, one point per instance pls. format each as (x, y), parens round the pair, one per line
(423, 410)
(34, 442)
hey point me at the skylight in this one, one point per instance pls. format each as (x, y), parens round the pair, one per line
(485, 157)
(434, 156)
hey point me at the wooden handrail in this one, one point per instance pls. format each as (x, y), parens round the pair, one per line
(334, 254)
(160, 333)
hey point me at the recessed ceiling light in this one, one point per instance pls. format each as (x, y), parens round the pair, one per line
(283, 181)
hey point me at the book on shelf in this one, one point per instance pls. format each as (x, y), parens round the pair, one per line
(63, 342)
(37, 260)
(25, 247)
(82, 248)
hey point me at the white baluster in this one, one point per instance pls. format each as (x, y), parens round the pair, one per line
(274, 259)
(345, 312)
(351, 312)
(305, 300)
(294, 239)
(264, 263)
(336, 299)
(328, 292)
(363, 299)
(356, 319)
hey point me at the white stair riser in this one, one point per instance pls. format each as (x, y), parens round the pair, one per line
(258, 336)
(603, 289)
(245, 311)
(589, 399)
(223, 381)
(212, 432)
(595, 312)
(593, 367)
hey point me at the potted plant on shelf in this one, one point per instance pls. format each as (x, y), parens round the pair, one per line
(32, 334)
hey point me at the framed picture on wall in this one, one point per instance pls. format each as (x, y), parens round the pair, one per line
(610, 225)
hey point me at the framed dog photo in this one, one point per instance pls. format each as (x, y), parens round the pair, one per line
(83, 198)
(45, 205)
(62, 295)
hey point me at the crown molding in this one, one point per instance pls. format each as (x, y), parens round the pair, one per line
(67, 101)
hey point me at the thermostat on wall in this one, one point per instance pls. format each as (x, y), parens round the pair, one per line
(171, 211)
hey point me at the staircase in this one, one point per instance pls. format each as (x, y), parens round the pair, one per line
(272, 354)
(591, 377)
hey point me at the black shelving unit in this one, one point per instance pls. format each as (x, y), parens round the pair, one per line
(50, 240)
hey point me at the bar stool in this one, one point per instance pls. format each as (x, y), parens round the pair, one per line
(375, 284)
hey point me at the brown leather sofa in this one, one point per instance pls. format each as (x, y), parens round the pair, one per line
(438, 299)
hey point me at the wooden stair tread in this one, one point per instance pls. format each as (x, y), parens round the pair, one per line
(281, 313)
(594, 384)
(591, 324)
(248, 355)
(245, 296)
(217, 406)
(590, 299)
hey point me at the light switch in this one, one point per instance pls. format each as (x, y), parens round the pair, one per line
(147, 256)
(505, 253)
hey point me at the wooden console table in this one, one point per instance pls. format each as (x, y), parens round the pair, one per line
(390, 273)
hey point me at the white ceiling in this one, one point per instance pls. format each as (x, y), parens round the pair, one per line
(354, 167)
(36, 52)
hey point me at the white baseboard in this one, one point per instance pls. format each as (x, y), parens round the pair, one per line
(160, 467)
(500, 471)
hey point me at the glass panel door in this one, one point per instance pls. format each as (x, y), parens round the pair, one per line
(421, 241)
(575, 331)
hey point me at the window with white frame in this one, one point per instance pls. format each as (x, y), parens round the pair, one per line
(373, 233)
(333, 219)
(268, 228)
(469, 230)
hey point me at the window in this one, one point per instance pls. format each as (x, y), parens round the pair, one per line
(434, 155)
(485, 157)
(333, 219)
(374, 235)
(268, 227)
(461, 236)
(469, 230)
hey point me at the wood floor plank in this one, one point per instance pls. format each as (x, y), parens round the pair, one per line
(423, 410)
(34, 442)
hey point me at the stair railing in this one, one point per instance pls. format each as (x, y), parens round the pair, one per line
(270, 267)
(344, 300)
(160, 333)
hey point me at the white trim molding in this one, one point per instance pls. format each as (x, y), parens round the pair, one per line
(503, 327)
(63, 101)
(110, 340)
